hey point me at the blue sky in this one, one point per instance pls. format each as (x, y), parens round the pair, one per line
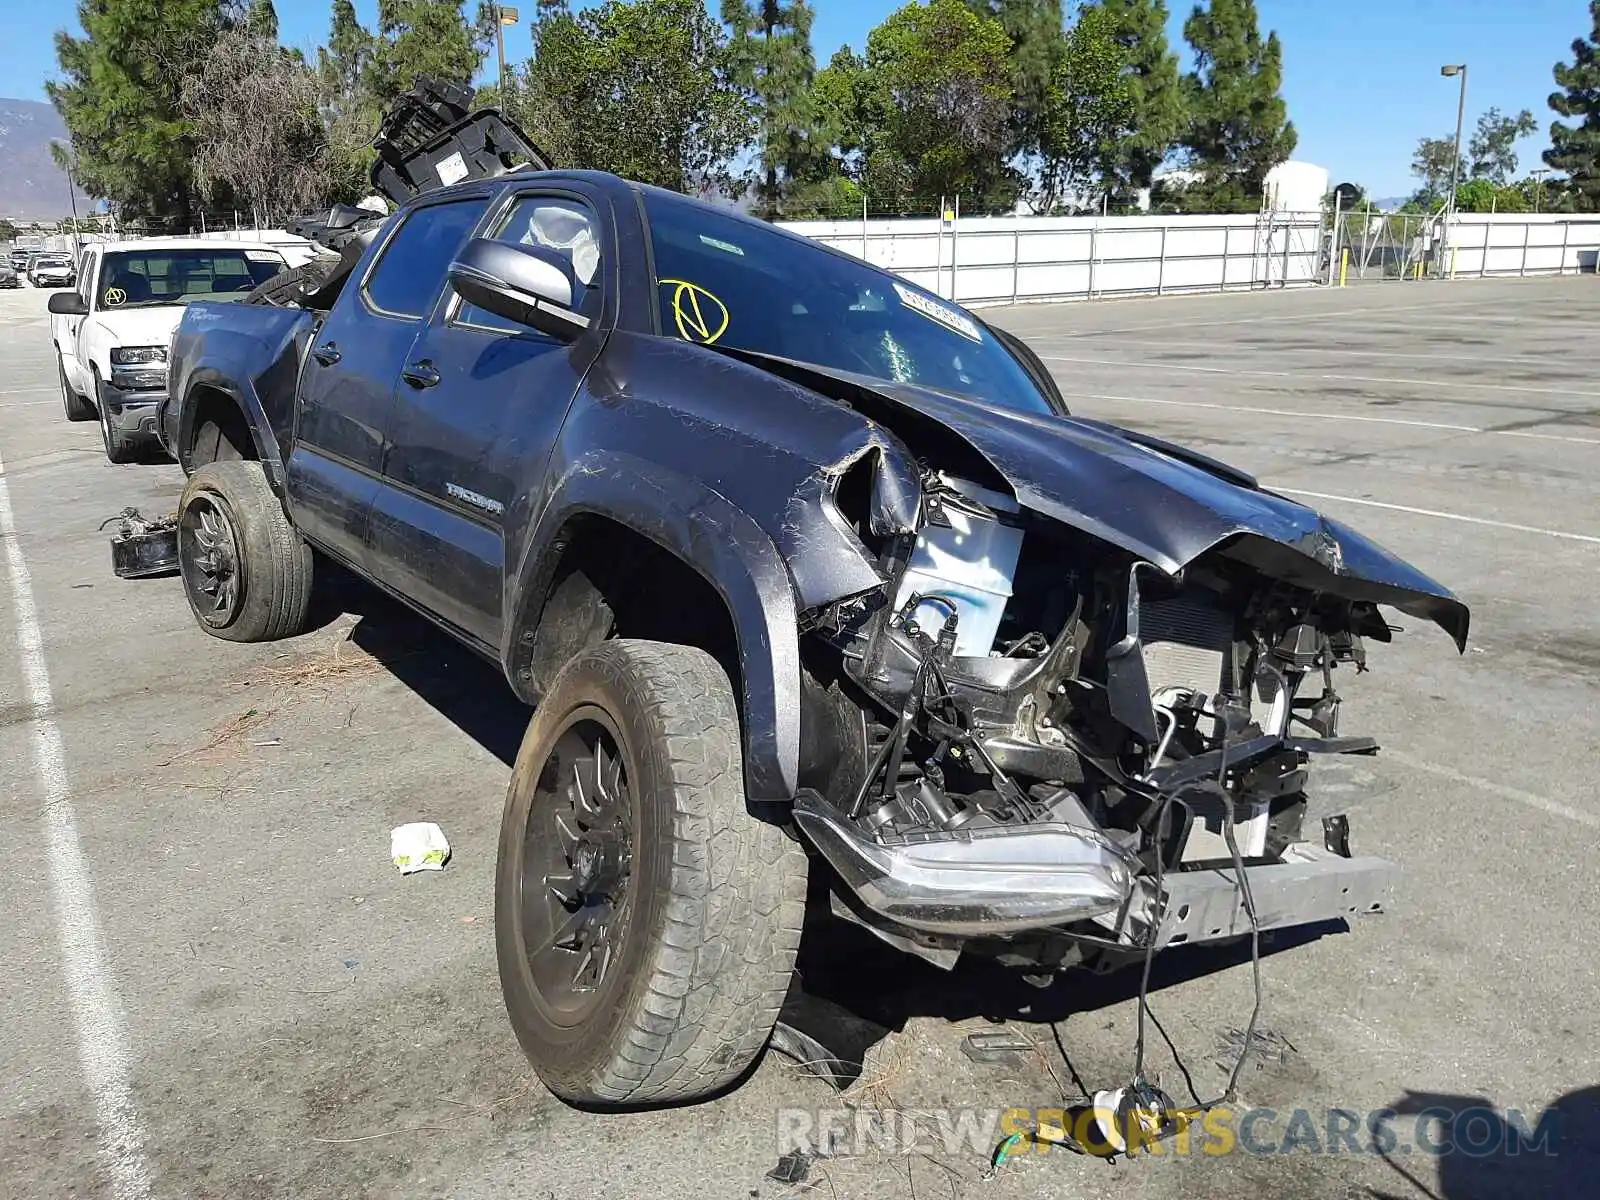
(1361, 76)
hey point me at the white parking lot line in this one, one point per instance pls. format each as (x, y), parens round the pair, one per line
(1275, 319)
(1443, 516)
(1325, 416)
(1273, 412)
(1332, 376)
(102, 1048)
(1554, 807)
(1340, 349)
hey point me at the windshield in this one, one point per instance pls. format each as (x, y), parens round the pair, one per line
(727, 281)
(146, 278)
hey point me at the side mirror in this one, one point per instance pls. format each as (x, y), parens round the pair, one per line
(67, 304)
(530, 285)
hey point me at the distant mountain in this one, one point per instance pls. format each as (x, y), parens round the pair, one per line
(31, 185)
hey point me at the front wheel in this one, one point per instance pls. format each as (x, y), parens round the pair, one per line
(646, 923)
(120, 448)
(246, 571)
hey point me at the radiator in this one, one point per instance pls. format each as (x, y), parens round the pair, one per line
(1186, 644)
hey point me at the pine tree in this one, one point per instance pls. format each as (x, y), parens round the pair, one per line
(1034, 27)
(120, 99)
(261, 19)
(770, 59)
(345, 97)
(1239, 127)
(935, 104)
(1088, 114)
(423, 37)
(640, 88)
(1575, 148)
(1155, 91)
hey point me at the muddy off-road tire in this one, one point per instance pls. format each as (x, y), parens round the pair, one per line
(288, 289)
(246, 572)
(627, 839)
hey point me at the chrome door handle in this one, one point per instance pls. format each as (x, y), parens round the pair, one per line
(420, 374)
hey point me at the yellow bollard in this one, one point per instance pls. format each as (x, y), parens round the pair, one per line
(1344, 264)
(1417, 273)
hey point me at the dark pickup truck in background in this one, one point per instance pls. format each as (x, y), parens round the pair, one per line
(809, 573)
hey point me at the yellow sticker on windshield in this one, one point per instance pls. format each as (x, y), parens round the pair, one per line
(115, 296)
(699, 315)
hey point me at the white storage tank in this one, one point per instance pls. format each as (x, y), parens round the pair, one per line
(1296, 187)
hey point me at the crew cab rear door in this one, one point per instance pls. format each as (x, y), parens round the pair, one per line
(347, 385)
(68, 329)
(477, 411)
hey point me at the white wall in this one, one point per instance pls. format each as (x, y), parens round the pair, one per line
(1005, 260)
(1488, 244)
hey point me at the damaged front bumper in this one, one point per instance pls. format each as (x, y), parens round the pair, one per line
(1014, 879)
(971, 883)
(1309, 886)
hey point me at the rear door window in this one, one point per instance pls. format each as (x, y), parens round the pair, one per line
(410, 271)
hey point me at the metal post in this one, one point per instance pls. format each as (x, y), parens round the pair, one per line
(864, 227)
(938, 254)
(1527, 228)
(1016, 261)
(955, 234)
(1333, 246)
(1461, 114)
(1161, 269)
(72, 194)
(1566, 230)
(1094, 231)
(1344, 264)
(503, 16)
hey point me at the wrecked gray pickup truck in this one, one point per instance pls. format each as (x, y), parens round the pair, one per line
(808, 573)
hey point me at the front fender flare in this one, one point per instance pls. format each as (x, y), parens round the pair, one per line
(724, 545)
(266, 442)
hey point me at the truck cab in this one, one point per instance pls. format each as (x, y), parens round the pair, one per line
(113, 330)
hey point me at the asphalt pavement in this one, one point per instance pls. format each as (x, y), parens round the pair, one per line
(215, 984)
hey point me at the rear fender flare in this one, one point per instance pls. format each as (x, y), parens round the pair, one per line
(725, 546)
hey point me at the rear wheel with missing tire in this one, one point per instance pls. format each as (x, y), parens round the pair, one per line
(646, 923)
(246, 571)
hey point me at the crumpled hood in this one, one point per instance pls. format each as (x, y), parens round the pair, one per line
(1169, 505)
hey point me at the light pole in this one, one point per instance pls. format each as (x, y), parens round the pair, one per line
(503, 16)
(1461, 113)
(1538, 174)
(67, 159)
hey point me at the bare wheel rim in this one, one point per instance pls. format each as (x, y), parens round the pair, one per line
(577, 866)
(209, 559)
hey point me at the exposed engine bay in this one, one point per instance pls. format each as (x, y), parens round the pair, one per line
(1038, 746)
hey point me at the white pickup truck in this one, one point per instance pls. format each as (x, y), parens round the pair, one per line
(112, 332)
